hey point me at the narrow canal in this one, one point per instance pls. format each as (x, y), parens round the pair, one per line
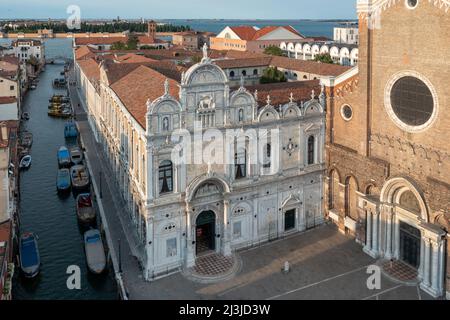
(43, 211)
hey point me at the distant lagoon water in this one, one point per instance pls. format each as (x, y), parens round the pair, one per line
(305, 27)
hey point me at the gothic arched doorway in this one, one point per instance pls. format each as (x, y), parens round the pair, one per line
(205, 232)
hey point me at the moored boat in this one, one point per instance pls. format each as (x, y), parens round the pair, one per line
(26, 139)
(76, 156)
(85, 208)
(25, 162)
(70, 130)
(95, 252)
(79, 177)
(63, 180)
(60, 113)
(30, 261)
(25, 116)
(63, 157)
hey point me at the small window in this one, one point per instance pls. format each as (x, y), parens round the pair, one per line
(311, 150)
(346, 112)
(165, 177)
(244, 73)
(240, 164)
(11, 88)
(255, 72)
(232, 74)
(267, 155)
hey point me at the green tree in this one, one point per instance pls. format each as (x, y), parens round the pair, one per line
(324, 58)
(272, 75)
(118, 46)
(132, 42)
(274, 51)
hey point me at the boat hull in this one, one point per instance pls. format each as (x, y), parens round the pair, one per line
(30, 261)
(95, 252)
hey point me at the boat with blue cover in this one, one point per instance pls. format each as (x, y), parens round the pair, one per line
(30, 261)
(70, 130)
(63, 180)
(95, 252)
(63, 157)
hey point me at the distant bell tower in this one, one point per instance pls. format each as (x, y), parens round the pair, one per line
(152, 29)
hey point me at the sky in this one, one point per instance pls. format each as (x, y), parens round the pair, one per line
(182, 9)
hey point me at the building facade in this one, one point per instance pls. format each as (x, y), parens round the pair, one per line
(348, 34)
(341, 53)
(182, 210)
(387, 145)
(253, 39)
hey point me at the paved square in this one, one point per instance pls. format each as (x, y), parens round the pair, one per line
(324, 265)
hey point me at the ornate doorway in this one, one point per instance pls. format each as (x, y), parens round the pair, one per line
(289, 220)
(205, 232)
(409, 245)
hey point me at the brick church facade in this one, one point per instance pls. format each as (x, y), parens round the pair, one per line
(388, 130)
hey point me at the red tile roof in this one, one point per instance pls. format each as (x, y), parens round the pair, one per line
(99, 40)
(84, 52)
(90, 68)
(313, 67)
(7, 100)
(244, 32)
(143, 40)
(242, 63)
(250, 33)
(140, 85)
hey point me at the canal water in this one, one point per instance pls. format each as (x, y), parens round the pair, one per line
(43, 211)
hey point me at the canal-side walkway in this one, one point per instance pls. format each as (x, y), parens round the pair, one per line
(117, 225)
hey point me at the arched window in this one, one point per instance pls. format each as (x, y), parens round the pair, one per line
(305, 77)
(255, 72)
(240, 164)
(244, 73)
(311, 150)
(232, 74)
(165, 177)
(267, 155)
(241, 115)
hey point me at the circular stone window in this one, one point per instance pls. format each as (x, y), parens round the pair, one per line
(412, 4)
(411, 101)
(346, 112)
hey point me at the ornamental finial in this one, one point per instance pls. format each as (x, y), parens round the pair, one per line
(268, 99)
(291, 97)
(313, 94)
(205, 51)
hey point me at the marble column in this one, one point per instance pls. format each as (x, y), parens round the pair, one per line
(226, 228)
(149, 245)
(435, 276)
(422, 259)
(376, 217)
(368, 246)
(388, 212)
(190, 238)
(426, 267)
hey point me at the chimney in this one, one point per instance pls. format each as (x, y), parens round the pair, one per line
(151, 29)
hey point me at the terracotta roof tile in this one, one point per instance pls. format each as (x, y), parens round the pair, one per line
(313, 67)
(90, 68)
(242, 63)
(244, 32)
(99, 40)
(140, 85)
(84, 52)
(7, 100)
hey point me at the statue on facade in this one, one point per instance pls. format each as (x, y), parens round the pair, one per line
(206, 103)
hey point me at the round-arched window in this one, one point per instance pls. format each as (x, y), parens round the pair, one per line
(412, 101)
(412, 4)
(346, 112)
